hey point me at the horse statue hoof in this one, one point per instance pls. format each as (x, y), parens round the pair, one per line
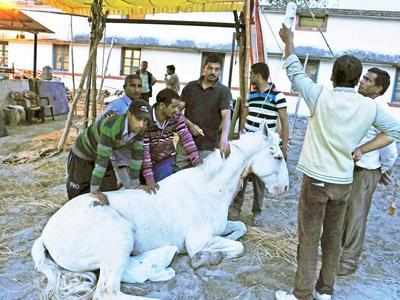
(206, 258)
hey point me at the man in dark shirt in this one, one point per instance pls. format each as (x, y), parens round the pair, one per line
(207, 111)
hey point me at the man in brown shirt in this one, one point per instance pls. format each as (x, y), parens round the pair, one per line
(207, 110)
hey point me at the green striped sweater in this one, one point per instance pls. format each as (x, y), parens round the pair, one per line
(97, 142)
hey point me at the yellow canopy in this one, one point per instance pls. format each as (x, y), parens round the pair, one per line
(142, 7)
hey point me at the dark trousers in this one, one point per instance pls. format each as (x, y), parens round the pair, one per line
(321, 205)
(79, 175)
(259, 192)
(364, 185)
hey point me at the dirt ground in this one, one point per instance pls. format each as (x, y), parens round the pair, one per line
(31, 192)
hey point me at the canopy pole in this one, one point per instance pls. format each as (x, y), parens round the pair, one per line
(96, 8)
(232, 58)
(72, 56)
(35, 46)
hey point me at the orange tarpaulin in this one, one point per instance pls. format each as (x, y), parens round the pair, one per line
(13, 19)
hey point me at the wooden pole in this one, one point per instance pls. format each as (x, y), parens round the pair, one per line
(72, 57)
(93, 90)
(232, 59)
(96, 8)
(35, 42)
(75, 100)
(105, 70)
(243, 36)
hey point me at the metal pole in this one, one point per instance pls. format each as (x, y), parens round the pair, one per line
(232, 58)
(35, 40)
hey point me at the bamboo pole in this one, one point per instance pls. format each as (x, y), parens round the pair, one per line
(75, 100)
(72, 56)
(103, 75)
(96, 9)
(243, 35)
(93, 89)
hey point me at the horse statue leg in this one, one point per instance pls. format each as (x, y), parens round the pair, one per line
(152, 265)
(234, 230)
(205, 249)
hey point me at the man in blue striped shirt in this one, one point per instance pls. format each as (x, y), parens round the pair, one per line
(265, 104)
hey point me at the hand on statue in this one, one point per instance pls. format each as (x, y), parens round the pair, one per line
(386, 178)
(224, 148)
(357, 154)
(286, 34)
(196, 130)
(101, 198)
(151, 187)
(196, 161)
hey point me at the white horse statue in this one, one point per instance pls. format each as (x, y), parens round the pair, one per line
(136, 237)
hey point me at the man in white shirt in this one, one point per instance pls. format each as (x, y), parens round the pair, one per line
(373, 167)
(339, 119)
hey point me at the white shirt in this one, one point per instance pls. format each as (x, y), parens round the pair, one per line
(340, 118)
(382, 158)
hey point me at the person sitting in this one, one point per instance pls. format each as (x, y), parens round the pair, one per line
(159, 148)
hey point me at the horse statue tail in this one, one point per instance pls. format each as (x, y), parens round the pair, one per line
(61, 284)
(44, 264)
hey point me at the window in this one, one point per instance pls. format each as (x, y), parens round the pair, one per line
(130, 61)
(396, 92)
(311, 68)
(310, 23)
(3, 54)
(61, 57)
(204, 57)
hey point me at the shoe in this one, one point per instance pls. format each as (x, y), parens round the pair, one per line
(234, 214)
(319, 296)
(281, 295)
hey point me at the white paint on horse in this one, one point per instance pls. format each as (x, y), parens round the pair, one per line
(188, 214)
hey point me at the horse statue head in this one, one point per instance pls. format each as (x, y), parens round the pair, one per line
(268, 162)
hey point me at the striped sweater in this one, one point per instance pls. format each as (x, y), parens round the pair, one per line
(158, 143)
(97, 141)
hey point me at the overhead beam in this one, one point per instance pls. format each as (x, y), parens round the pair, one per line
(170, 22)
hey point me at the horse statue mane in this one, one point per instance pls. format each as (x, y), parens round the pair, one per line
(187, 215)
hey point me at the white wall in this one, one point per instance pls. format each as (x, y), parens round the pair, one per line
(342, 34)
(368, 4)
(21, 54)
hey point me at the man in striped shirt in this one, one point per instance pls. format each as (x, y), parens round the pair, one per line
(159, 149)
(265, 104)
(89, 168)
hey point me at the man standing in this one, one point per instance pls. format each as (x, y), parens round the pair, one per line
(133, 91)
(171, 79)
(89, 168)
(373, 167)
(148, 80)
(159, 149)
(207, 111)
(339, 119)
(265, 104)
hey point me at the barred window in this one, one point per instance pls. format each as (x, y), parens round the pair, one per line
(3, 54)
(130, 60)
(61, 57)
